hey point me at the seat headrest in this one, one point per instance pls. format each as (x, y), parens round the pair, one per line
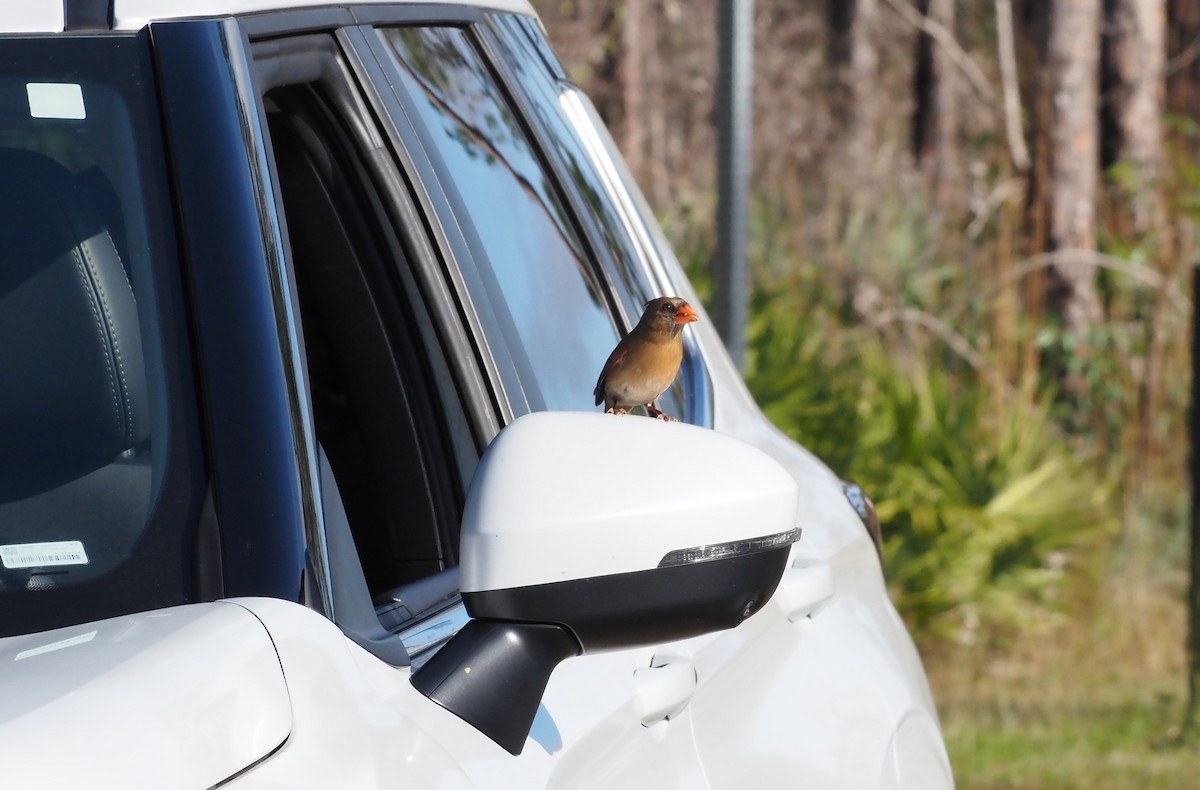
(72, 380)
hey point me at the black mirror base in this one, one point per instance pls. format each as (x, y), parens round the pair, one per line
(492, 675)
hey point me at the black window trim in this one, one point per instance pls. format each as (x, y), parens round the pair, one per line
(256, 464)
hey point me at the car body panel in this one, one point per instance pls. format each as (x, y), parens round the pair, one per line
(208, 670)
(347, 702)
(348, 729)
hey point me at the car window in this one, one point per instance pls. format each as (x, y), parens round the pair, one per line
(386, 414)
(534, 272)
(99, 480)
(526, 66)
(533, 70)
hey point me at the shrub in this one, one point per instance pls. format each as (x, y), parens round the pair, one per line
(983, 502)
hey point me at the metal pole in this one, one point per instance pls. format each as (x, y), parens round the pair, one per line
(735, 91)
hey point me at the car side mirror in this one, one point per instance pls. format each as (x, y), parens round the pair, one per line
(589, 532)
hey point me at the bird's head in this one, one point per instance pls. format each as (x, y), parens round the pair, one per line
(667, 314)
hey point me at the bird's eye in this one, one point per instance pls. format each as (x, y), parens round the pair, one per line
(668, 308)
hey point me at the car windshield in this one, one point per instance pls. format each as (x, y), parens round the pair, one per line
(97, 479)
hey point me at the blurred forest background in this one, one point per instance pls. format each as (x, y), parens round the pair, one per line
(973, 231)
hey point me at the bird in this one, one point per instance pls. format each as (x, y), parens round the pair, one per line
(646, 361)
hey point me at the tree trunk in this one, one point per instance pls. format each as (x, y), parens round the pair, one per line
(605, 87)
(1193, 599)
(854, 67)
(1006, 53)
(1136, 57)
(935, 119)
(1074, 71)
(1032, 45)
(636, 19)
(1183, 58)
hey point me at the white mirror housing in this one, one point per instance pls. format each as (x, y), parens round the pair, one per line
(586, 532)
(569, 495)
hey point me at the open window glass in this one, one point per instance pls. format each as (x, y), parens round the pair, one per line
(394, 440)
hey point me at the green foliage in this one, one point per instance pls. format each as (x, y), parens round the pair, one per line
(798, 373)
(981, 499)
(983, 502)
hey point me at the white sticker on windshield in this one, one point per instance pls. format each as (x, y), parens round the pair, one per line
(56, 100)
(41, 555)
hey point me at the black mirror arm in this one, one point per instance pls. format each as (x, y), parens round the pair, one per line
(464, 676)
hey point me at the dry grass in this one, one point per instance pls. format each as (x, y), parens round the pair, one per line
(1093, 701)
(1117, 746)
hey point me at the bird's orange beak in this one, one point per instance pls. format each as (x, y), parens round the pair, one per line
(686, 314)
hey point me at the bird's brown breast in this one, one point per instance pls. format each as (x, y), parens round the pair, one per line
(644, 373)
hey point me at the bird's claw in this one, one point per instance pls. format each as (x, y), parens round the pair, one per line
(615, 410)
(658, 413)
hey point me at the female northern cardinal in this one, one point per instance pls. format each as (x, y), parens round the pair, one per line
(646, 360)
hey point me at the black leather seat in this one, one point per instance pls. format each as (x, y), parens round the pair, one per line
(74, 420)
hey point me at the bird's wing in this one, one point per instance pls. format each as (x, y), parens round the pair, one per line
(614, 361)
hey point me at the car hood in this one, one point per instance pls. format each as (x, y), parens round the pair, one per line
(180, 697)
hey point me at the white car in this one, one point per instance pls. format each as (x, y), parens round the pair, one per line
(301, 481)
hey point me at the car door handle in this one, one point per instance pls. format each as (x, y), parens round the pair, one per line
(663, 689)
(804, 588)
